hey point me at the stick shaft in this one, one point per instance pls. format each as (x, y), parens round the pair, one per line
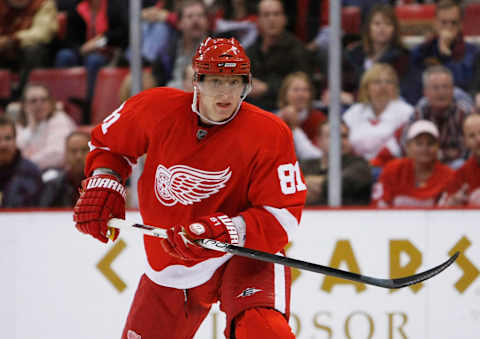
(278, 259)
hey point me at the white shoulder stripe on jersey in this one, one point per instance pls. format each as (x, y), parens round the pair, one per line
(284, 218)
(93, 147)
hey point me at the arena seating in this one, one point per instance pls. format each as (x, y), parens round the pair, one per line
(62, 25)
(5, 83)
(351, 19)
(471, 25)
(415, 19)
(106, 94)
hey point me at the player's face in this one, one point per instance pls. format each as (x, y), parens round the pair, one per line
(381, 29)
(219, 96)
(423, 149)
(471, 131)
(298, 94)
(8, 145)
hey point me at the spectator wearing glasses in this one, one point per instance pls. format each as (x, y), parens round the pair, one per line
(40, 135)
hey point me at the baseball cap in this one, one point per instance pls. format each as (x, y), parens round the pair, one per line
(422, 126)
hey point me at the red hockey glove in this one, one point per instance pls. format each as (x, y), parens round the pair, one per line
(180, 239)
(102, 197)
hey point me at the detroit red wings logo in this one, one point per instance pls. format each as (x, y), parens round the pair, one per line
(187, 185)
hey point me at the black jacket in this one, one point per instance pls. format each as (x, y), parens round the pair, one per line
(288, 55)
(20, 183)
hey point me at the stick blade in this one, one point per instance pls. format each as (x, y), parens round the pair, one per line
(417, 278)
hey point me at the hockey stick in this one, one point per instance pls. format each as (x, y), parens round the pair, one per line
(277, 259)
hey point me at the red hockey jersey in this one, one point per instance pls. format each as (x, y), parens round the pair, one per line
(468, 174)
(245, 168)
(396, 186)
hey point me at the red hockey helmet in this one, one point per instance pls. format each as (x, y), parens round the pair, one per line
(221, 56)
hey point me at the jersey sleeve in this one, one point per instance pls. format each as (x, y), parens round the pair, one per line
(277, 195)
(121, 138)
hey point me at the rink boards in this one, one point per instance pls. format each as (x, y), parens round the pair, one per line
(57, 283)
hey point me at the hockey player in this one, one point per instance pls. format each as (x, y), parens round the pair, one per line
(216, 167)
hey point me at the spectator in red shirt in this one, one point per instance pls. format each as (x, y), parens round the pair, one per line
(464, 188)
(295, 102)
(420, 178)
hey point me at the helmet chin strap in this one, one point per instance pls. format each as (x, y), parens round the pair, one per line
(245, 92)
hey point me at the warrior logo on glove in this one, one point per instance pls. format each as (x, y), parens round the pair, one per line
(232, 230)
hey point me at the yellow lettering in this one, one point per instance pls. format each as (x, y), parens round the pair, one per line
(343, 252)
(397, 247)
(399, 328)
(371, 325)
(104, 265)
(470, 272)
(319, 325)
(295, 271)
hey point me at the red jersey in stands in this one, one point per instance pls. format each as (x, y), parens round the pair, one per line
(396, 186)
(244, 168)
(468, 174)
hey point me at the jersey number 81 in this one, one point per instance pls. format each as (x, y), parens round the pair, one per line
(290, 178)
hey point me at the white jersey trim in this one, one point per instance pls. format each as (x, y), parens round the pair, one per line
(279, 287)
(93, 147)
(286, 219)
(182, 277)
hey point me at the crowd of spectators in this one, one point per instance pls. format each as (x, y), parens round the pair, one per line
(410, 129)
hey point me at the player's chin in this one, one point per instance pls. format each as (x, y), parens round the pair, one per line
(223, 114)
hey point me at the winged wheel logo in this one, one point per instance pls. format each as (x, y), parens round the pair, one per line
(187, 185)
